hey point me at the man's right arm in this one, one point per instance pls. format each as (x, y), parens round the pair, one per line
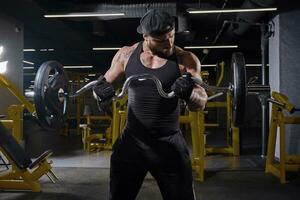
(118, 63)
(117, 67)
(104, 90)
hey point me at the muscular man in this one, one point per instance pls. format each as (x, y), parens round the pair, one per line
(151, 140)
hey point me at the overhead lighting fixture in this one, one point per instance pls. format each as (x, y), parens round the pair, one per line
(255, 65)
(46, 50)
(106, 48)
(3, 67)
(28, 67)
(209, 65)
(211, 47)
(91, 74)
(247, 65)
(28, 49)
(87, 14)
(78, 67)
(194, 11)
(29, 74)
(27, 62)
(1, 50)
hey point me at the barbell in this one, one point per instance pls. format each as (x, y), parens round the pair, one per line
(51, 95)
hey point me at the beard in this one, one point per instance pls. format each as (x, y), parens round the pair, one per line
(163, 53)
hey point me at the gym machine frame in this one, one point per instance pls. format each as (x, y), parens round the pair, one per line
(279, 120)
(22, 178)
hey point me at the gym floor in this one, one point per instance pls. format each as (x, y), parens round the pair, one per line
(86, 176)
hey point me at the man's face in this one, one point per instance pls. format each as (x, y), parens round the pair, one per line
(163, 45)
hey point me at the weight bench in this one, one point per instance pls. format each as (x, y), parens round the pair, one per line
(24, 174)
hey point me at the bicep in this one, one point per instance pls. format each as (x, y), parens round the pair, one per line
(192, 65)
(116, 69)
(114, 72)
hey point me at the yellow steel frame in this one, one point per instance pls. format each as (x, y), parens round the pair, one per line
(23, 179)
(234, 147)
(14, 90)
(278, 119)
(14, 120)
(75, 77)
(118, 117)
(20, 179)
(220, 78)
(88, 139)
(196, 121)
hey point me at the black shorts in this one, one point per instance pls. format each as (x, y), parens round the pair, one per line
(166, 158)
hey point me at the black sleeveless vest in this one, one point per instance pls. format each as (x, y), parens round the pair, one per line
(149, 114)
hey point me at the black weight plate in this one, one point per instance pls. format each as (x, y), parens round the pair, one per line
(51, 110)
(238, 93)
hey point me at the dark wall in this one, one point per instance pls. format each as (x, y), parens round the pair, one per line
(285, 69)
(11, 38)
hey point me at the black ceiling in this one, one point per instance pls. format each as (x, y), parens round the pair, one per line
(73, 39)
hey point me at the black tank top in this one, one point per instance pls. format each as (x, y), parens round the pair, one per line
(149, 114)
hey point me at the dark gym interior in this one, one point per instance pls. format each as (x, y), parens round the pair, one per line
(244, 144)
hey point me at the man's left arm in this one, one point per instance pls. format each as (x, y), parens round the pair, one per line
(198, 96)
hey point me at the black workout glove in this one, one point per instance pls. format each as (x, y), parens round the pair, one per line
(183, 86)
(103, 91)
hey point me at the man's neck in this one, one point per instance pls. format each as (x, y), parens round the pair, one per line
(147, 49)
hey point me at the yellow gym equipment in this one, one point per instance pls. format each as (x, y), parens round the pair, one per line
(233, 135)
(118, 117)
(195, 121)
(280, 103)
(23, 173)
(92, 139)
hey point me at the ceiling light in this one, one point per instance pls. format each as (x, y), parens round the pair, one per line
(28, 49)
(78, 66)
(211, 47)
(91, 74)
(105, 48)
(209, 65)
(247, 65)
(1, 49)
(83, 15)
(194, 11)
(254, 65)
(46, 50)
(27, 62)
(29, 74)
(28, 67)
(3, 67)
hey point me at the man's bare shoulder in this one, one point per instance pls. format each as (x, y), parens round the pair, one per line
(187, 58)
(126, 51)
(184, 55)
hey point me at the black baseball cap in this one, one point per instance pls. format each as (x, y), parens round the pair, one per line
(155, 23)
